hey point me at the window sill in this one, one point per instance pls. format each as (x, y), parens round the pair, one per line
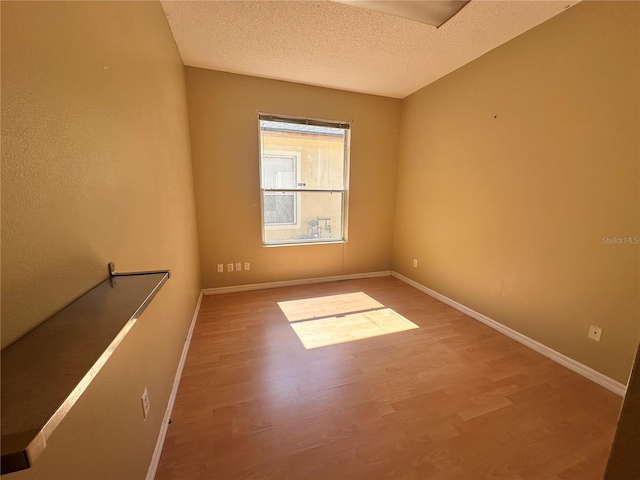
(302, 244)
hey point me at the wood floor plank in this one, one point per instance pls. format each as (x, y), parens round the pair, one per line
(450, 399)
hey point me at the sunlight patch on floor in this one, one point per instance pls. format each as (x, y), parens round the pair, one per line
(335, 319)
(331, 305)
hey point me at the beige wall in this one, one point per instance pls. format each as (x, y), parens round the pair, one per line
(511, 171)
(224, 142)
(96, 168)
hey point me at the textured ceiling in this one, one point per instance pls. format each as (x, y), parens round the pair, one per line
(324, 43)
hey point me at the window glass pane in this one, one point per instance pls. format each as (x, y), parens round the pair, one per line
(278, 171)
(321, 151)
(279, 208)
(320, 219)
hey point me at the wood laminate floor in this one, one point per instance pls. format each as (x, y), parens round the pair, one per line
(449, 399)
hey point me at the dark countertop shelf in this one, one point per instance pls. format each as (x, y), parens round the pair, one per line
(45, 372)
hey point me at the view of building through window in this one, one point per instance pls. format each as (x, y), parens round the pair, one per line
(280, 171)
(303, 180)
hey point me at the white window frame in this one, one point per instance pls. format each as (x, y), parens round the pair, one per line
(346, 126)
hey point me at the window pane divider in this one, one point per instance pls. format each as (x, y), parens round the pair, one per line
(295, 190)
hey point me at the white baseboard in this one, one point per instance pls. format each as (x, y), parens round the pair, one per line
(155, 459)
(291, 283)
(587, 372)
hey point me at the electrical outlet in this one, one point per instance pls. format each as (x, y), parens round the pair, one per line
(230, 267)
(595, 333)
(220, 268)
(238, 267)
(247, 266)
(145, 403)
(415, 263)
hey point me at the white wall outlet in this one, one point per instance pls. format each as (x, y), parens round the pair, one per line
(145, 403)
(220, 268)
(595, 333)
(230, 267)
(415, 262)
(247, 266)
(238, 267)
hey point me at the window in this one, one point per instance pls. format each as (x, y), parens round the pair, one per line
(304, 171)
